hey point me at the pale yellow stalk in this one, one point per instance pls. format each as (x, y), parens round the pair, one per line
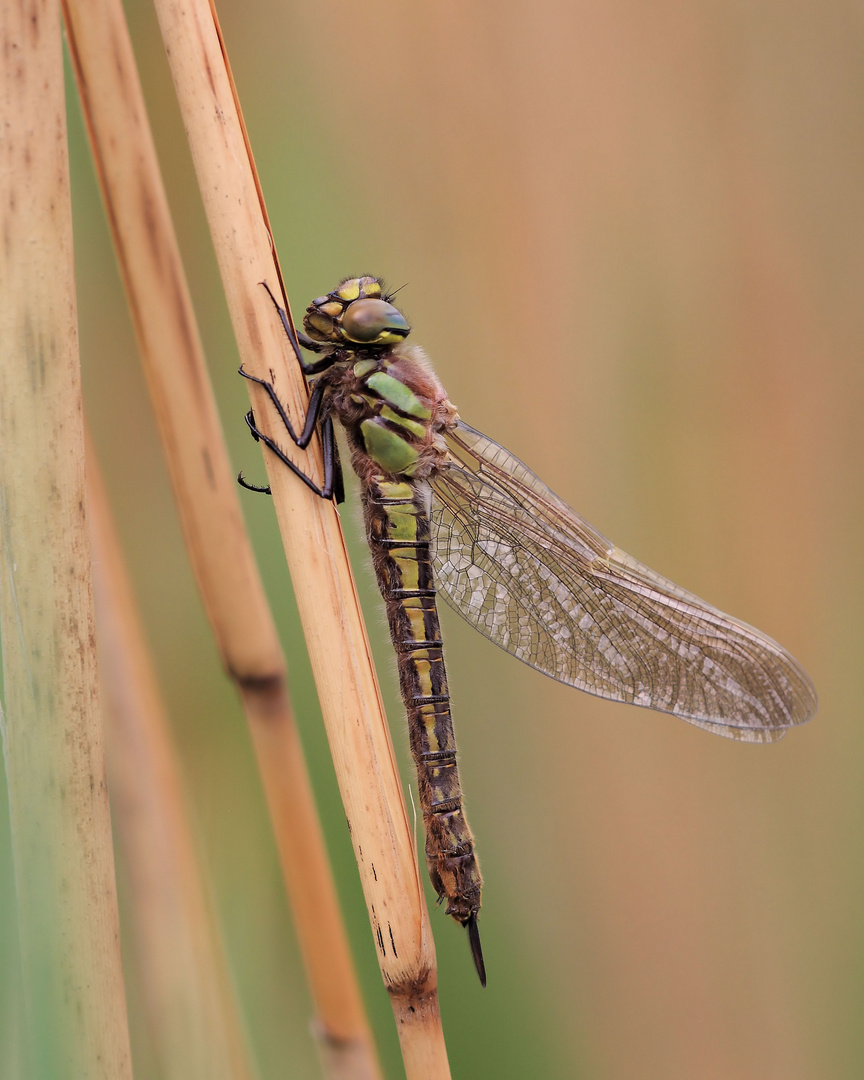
(206, 496)
(192, 1018)
(324, 588)
(74, 999)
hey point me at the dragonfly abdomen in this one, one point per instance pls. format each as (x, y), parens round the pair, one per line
(398, 530)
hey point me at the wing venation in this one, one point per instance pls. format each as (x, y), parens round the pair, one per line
(533, 576)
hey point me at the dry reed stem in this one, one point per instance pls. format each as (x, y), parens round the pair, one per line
(206, 497)
(329, 609)
(192, 1016)
(74, 1008)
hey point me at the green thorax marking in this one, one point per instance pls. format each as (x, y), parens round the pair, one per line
(413, 426)
(387, 448)
(388, 436)
(396, 393)
(363, 367)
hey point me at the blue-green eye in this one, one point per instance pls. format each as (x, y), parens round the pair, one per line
(373, 322)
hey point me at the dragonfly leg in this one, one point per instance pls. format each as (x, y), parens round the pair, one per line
(262, 489)
(293, 337)
(333, 480)
(330, 446)
(332, 470)
(298, 339)
(313, 411)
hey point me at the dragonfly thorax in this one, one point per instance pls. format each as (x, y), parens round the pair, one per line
(356, 313)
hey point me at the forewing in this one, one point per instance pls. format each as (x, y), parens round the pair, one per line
(538, 580)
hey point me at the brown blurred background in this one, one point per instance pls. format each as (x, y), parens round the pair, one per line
(633, 242)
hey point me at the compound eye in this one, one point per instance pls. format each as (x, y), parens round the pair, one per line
(374, 322)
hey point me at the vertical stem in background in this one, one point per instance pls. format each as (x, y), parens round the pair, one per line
(326, 598)
(191, 1014)
(205, 492)
(75, 1018)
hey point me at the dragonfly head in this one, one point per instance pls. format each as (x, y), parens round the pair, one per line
(356, 313)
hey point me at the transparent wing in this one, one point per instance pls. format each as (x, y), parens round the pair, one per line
(523, 568)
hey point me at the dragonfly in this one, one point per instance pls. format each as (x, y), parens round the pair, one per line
(449, 511)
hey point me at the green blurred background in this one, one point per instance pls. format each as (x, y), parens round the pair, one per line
(633, 242)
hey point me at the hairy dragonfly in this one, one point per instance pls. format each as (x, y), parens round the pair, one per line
(448, 510)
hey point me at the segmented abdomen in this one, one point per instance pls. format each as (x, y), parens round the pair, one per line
(397, 526)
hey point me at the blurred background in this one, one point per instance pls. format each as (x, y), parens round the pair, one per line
(632, 239)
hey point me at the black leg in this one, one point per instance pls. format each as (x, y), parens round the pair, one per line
(338, 479)
(299, 339)
(244, 483)
(333, 481)
(332, 464)
(283, 315)
(328, 443)
(313, 410)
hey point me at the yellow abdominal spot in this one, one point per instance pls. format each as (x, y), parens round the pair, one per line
(409, 569)
(424, 676)
(427, 715)
(401, 526)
